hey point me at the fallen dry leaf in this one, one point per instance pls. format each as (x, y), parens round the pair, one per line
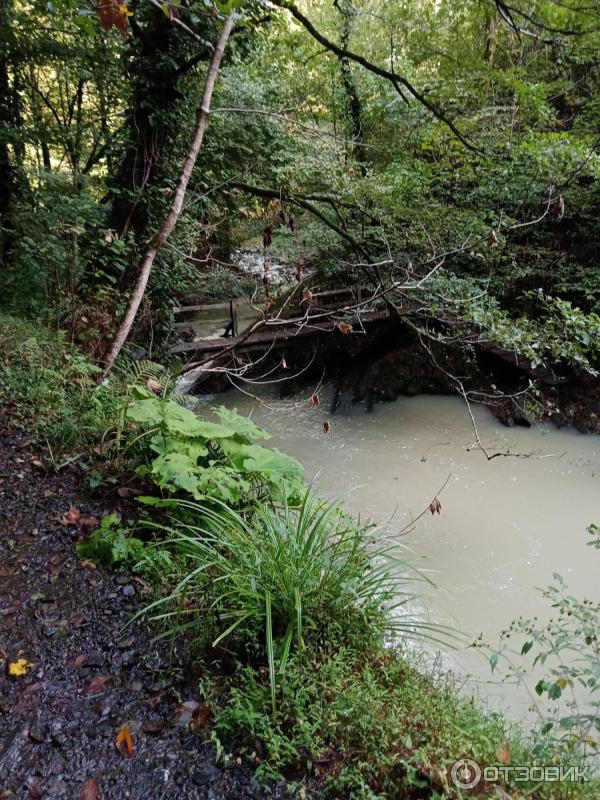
(96, 684)
(200, 718)
(90, 790)
(18, 668)
(186, 711)
(124, 742)
(88, 522)
(315, 400)
(35, 787)
(326, 427)
(345, 328)
(79, 662)
(128, 491)
(503, 753)
(153, 386)
(87, 564)
(71, 517)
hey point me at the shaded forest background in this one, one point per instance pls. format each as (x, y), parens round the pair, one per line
(444, 154)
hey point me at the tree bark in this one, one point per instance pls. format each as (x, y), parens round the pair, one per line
(163, 233)
(9, 181)
(353, 102)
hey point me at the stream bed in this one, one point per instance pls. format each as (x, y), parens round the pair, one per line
(505, 526)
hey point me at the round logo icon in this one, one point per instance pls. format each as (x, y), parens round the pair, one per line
(465, 773)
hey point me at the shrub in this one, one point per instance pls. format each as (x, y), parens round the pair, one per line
(567, 649)
(207, 459)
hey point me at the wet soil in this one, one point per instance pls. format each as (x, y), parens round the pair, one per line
(85, 674)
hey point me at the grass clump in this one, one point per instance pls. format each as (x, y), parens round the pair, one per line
(271, 581)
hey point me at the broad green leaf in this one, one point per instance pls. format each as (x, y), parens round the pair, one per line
(176, 470)
(241, 425)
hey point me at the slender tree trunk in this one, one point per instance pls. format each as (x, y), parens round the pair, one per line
(353, 102)
(163, 233)
(8, 116)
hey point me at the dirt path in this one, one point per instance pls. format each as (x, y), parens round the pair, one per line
(87, 677)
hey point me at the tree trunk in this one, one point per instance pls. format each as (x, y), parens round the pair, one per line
(8, 118)
(353, 103)
(163, 233)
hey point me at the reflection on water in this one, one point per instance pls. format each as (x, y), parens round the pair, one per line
(505, 526)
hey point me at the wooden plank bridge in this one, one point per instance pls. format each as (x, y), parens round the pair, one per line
(273, 334)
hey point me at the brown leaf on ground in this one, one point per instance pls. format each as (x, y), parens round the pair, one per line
(87, 564)
(345, 328)
(128, 491)
(326, 427)
(124, 742)
(71, 517)
(18, 668)
(79, 662)
(96, 684)
(315, 400)
(35, 787)
(153, 386)
(503, 753)
(90, 790)
(88, 522)
(201, 717)
(185, 712)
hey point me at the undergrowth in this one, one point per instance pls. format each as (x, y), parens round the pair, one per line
(49, 388)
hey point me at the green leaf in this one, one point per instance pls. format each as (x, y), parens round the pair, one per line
(176, 470)
(176, 419)
(241, 425)
(554, 692)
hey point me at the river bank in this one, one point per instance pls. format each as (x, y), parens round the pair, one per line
(385, 359)
(333, 711)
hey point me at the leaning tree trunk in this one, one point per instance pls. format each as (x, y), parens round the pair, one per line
(163, 233)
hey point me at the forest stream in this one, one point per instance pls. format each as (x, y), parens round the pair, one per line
(505, 527)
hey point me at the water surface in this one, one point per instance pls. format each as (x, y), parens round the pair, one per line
(505, 527)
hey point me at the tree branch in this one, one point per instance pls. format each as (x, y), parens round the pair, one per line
(396, 80)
